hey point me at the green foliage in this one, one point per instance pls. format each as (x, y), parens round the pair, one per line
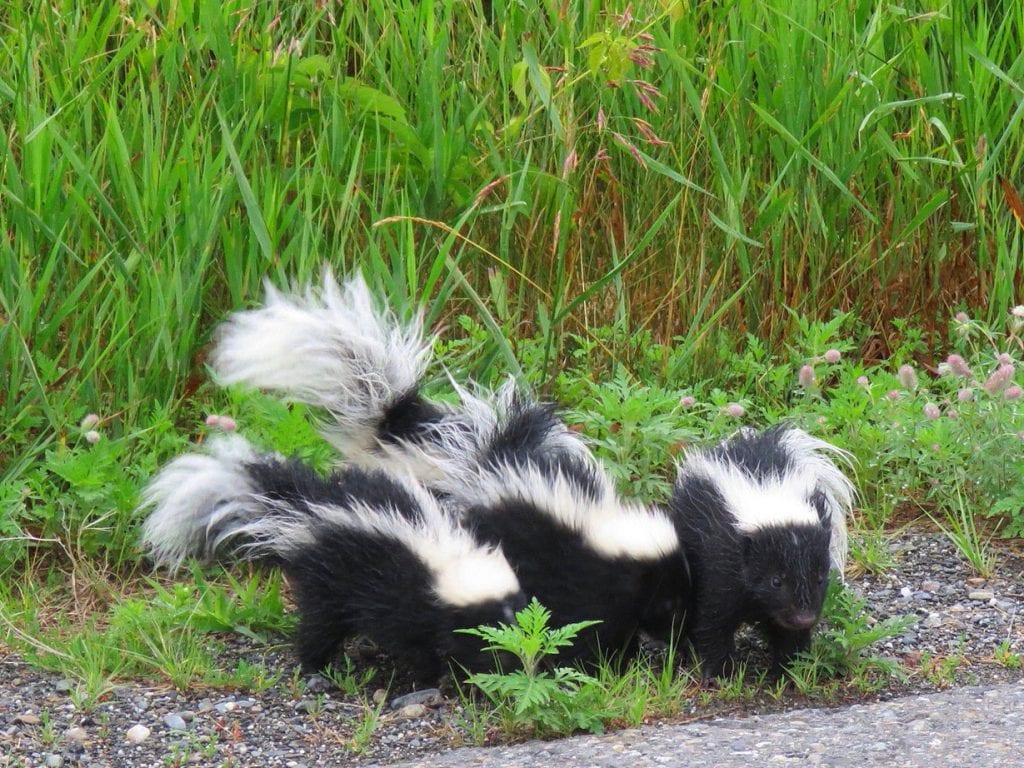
(531, 698)
(164, 634)
(347, 679)
(841, 647)
(636, 428)
(1006, 657)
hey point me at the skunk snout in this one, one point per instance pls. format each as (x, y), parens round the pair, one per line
(803, 620)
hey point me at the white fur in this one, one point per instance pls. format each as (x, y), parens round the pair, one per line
(464, 571)
(812, 453)
(610, 527)
(187, 490)
(329, 347)
(783, 500)
(461, 439)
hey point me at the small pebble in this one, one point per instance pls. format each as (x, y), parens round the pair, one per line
(981, 594)
(138, 734)
(53, 761)
(175, 722)
(76, 735)
(318, 684)
(430, 697)
(411, 712)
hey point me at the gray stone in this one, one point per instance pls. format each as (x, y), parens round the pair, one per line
(430, 697)
(175, 722)
(318, 684)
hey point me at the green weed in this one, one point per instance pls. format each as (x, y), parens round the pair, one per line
(841, 647)
(529, 697)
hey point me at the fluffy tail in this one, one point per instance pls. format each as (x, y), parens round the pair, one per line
(234, 501)
(522, 451)
(334, 348)
(200, 501)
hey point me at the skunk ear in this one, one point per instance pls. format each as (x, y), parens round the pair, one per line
(824, 510)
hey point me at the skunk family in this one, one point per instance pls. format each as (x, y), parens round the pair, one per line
(366, 552)
(516, 475)
(762, 518)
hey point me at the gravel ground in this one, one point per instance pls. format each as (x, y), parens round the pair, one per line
(961, 622)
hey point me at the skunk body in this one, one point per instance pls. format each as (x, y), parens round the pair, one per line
(571, 540)
(365, 552)
(762, 518)
(508, 465)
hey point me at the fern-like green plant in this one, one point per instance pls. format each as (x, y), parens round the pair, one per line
(840, 648)
(532, 698)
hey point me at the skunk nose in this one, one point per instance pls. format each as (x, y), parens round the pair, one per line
(804, 620)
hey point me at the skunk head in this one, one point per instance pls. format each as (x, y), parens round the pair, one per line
(781, 477)
(785, 572)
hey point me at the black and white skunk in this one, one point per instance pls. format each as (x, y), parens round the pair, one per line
(762, 518)
(519, 478)
(584, 552)
(366, 552)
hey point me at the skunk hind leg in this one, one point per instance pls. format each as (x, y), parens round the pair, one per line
(318, 639)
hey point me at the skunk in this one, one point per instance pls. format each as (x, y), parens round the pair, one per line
(572, 542)
(519, 478)
(366, 552)
(762, 518)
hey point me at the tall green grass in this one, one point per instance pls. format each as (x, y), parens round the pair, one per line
(163, 157)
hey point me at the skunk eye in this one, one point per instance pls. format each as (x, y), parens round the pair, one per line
(776, 581)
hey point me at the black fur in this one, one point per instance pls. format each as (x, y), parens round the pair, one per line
(410, 417)
(349, 582)
(775, 577)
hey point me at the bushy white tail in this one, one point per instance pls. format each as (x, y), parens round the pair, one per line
(331, 347)
(198, 500)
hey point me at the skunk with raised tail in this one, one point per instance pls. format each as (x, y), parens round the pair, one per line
(762, 518)
(515, 474)
(365, 552)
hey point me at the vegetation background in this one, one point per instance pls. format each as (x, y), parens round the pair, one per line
(627, 203)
